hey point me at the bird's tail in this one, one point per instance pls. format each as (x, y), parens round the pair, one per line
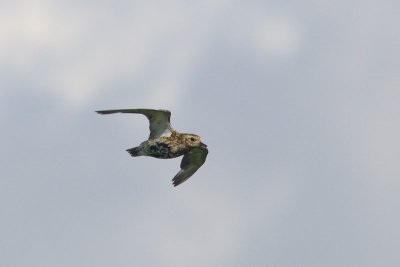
(134, 152)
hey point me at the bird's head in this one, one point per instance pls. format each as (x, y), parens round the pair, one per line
(193, 140)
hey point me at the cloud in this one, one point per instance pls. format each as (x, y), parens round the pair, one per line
(74, 53)
(315, 170)
(277, 35)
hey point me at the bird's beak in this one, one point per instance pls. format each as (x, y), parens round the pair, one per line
(202, 144)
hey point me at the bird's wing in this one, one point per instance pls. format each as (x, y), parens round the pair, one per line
(191, 162)
(159, 120)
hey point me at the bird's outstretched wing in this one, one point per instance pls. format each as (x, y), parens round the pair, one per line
(191, 162)
(159, 120)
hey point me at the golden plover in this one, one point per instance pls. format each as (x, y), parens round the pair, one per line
(166, 143)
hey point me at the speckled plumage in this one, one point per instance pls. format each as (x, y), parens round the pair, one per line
(165, 143)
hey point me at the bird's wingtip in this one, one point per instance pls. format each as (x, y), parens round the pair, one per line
(175, 182)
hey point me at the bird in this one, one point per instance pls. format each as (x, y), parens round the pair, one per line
(165, 143)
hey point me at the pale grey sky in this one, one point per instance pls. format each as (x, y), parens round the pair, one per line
(298, 103)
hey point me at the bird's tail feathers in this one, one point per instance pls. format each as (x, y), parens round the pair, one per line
(134, 152)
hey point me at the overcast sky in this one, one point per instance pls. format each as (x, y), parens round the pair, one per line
(298, 103)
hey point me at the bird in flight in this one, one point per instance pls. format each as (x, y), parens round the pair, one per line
(166, 143)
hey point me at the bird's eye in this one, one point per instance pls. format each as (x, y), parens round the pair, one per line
(192, 139)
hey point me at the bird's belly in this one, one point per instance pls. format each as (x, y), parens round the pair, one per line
(163, 151)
